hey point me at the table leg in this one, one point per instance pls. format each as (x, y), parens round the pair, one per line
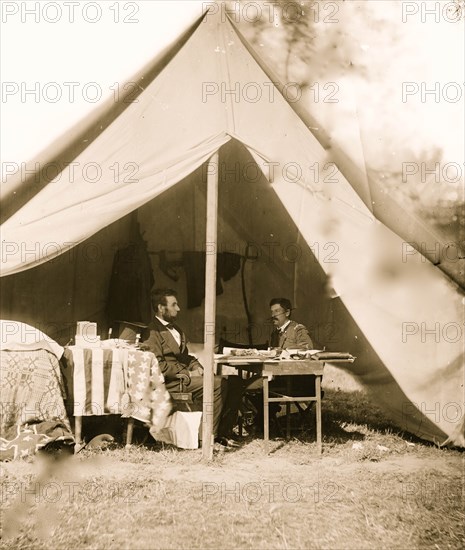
(78, 429)
(318, 414)
(266, 416)
(130, 429)
(240, 417)
(288, 408)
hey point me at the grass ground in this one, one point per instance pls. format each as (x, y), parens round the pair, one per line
(372, 487)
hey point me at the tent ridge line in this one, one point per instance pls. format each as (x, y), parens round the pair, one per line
(226, 70)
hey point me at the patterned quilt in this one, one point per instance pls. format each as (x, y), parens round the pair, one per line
(32, 410)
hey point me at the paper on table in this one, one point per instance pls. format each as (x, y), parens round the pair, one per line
(115, 343)
(247, 353)
(303, 351)
(287, 353)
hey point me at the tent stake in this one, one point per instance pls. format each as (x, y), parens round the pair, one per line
(210, 304)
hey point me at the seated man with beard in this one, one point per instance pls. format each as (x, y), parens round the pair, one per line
(167, 341)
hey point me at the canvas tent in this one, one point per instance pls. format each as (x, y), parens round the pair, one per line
(316, 235)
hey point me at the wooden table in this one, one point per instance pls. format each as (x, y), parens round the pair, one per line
(270, 369)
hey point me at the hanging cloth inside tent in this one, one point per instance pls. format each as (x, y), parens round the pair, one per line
(227, 265)
(130, 284)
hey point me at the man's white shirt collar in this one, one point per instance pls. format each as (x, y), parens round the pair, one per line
(162, 321)
(175, 333)
(282, 328)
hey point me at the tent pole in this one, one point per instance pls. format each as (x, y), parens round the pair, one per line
(211, 235)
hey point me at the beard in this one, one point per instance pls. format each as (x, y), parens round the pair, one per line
(169, 318)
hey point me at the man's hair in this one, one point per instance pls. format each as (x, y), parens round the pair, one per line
(283, 302)
(159, 295)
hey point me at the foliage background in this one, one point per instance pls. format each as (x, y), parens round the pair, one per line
(368, 50)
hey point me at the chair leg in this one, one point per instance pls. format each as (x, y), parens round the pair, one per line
(288, 409)
(266, 419)
(318, 415)
(304, 413)
(240, 423)
(78, 429)
(130, 430)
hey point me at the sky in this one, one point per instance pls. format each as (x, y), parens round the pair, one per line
(97, 46)
(40, 55)
(416, 102)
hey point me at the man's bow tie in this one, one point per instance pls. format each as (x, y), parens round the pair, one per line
(170, 326)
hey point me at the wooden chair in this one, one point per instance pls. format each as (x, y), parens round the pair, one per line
(182, 399)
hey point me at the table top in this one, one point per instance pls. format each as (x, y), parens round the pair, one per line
(276, 367)
(249, 359)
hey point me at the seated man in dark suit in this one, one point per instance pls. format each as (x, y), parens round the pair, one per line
(168, 342)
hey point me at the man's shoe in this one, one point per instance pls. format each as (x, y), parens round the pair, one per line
(219, 448)
(245, 432)
(227, 442)
(235, 437)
